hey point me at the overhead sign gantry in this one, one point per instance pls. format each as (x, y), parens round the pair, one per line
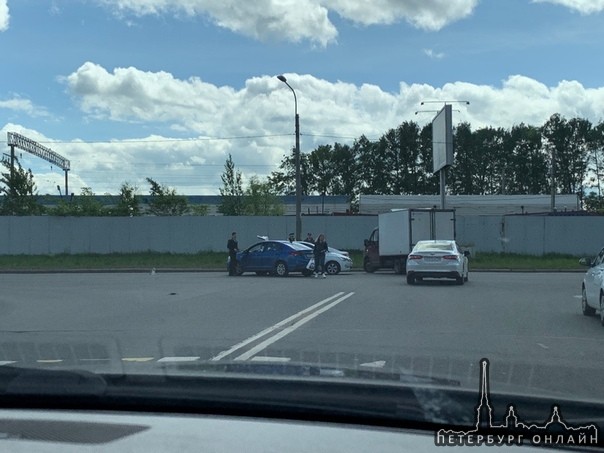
(15, 140)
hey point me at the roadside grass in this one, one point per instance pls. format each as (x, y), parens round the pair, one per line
(519, 262)
(217, 260)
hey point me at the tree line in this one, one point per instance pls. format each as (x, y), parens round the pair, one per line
(564, 155)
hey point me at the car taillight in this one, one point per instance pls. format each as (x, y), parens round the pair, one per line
(415, 257)
(295, 253)
(450, 257)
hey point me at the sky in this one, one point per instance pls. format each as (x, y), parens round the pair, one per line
(168, 89)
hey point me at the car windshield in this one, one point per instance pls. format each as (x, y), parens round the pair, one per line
(163, 163)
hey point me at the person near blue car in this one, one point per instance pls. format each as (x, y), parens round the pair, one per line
(233, 247)
(320, 251)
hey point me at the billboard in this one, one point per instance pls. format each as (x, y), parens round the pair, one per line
(442, 139)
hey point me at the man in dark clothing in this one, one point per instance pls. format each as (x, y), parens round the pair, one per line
(233, 247)
(320, 251)
(309, 238)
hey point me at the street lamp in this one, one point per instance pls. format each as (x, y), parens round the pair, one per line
(297, 159)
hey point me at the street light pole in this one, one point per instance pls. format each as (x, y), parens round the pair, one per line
(297, 162)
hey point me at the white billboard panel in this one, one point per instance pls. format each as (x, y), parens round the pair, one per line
(442, 139)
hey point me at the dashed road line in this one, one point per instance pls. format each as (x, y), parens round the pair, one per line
(178, 359)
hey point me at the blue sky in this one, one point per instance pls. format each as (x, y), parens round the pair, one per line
(129, 89)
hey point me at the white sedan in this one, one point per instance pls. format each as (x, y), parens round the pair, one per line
(592, 289)
(336, 261)
(437, 259)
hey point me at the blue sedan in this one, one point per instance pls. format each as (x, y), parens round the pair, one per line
(274, 257)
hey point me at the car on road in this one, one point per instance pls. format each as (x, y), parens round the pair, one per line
(336, 261)
(437, 259)
(274, 257)
(592, 288)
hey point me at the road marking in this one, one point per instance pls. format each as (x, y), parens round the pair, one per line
(264, 358)
(137, 359)
(178, 359)
(376, 364)
(578, 297)
(263, 345)
(542, 345)
(249, 340)
(6, 362)
(49, 361)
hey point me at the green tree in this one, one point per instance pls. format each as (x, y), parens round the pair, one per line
(85, 204)
(261, 199)
(20, 196)
(527, 170)
(128, 204)
(231, 193)
(165, 201)
(566, 144)
(283, 181)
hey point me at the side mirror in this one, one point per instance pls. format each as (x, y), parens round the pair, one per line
(366, 242)
(586, 262)
(466, 253)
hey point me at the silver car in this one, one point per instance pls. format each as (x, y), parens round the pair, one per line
(437, 259)
(592, 289)
(336, 261)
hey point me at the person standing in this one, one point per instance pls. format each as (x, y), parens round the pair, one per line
(320, 251)
(233, 247)
(309, 238)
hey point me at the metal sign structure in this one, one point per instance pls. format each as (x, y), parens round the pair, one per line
(15, 140)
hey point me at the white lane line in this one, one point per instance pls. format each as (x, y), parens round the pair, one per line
(263, 345)
(178, 359)
(249, 340)
(265, 358)
(6, 362)
(542, 346)
(137, 359)
(376, 364)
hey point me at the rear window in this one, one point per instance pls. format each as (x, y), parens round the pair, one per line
(434, 246)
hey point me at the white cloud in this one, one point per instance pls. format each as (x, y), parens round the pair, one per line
(4, 15)
(435, 55)
(256, 123)
(296, 20)
(582, 6)
(19, 104)
(425, 14)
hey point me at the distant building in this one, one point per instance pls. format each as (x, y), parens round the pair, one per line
(471, 204)
(311, 204)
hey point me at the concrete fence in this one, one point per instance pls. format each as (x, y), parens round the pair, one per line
(535, 235)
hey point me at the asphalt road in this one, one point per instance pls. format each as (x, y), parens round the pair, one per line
(529, 325)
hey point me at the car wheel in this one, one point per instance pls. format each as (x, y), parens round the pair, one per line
(585, 308)
(410, 279)
(368, 267)
(332, 268)
(602, 308)
(238, 268)
(281, 269)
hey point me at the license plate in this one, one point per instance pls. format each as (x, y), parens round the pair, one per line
(432, 259)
